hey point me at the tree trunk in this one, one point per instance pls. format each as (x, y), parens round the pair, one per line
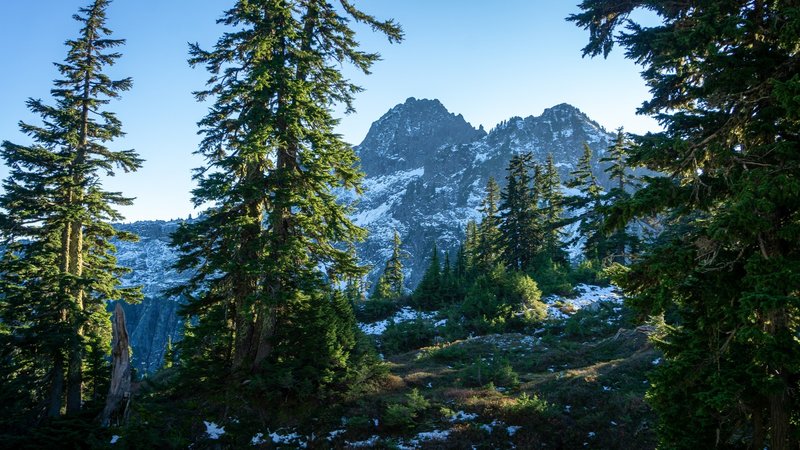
(119, 392)
(75, 369)
(759, 432)
(56, 386)
(56, 391)
(265, 327)
(780, 406)
(246, 283)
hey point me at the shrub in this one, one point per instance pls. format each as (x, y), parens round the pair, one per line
(451, 353)
(496, 371)
(586, 272)
(553, 278)
(404, 415)
(406, 336)
(598, 320)
(374, 310)
(500, 301)
(528, 405)
(398, 416)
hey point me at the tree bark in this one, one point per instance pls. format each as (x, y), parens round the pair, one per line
(75, 369)
(119, 392)
(56, 386)
(780, 406)
(759, 431)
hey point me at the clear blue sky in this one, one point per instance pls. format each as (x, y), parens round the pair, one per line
(486, 60)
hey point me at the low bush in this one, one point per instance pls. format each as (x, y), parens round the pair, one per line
(407, 336)
(497, 371)
(374, 310)
(404, 415)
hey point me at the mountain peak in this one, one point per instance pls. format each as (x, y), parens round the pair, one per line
(409, 133)
(562, 108)
(564, 112)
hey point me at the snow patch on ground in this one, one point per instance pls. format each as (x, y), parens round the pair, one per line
(512, 429)
(462, 416)
(404, 315)
(291, 438)
(509, 341)
(213, 430)
(425, 436)
(588, 296)
(435, 435)
(333, 434)
(368, 443)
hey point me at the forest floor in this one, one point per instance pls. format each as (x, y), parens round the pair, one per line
(579, 381)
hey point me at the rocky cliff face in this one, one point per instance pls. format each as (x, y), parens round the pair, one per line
(155, 320)
(426, 170)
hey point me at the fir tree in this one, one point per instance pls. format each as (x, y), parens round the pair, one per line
(725, 81)
(58, 269)
(587, 207)
(383, 290)
(520, 226)
(428, 294)
(487, 250)
(552, 211)
(273, 161)
(622, 241)
(470, 246)
(394, 268)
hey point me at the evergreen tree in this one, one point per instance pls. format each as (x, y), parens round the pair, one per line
(460, 266)
(521, 227)
(587, 207)
(725, 81)
(428, 294)
(58, 269)
(394, 268)
(273, 160)
(390, 284)
(552, 211)
(470, 246)
(383, 290)
(487, 250)
(622, 241)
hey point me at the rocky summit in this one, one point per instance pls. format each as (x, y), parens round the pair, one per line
(426, 169)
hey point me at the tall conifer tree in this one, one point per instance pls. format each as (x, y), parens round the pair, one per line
(622, 241)
(470, 246)
(521, 227)
(552, 211)
(390, 284)
(59, 269)
(587, 206)
(725, 81)
(487, 251)
(428, 294)
(273, 160)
